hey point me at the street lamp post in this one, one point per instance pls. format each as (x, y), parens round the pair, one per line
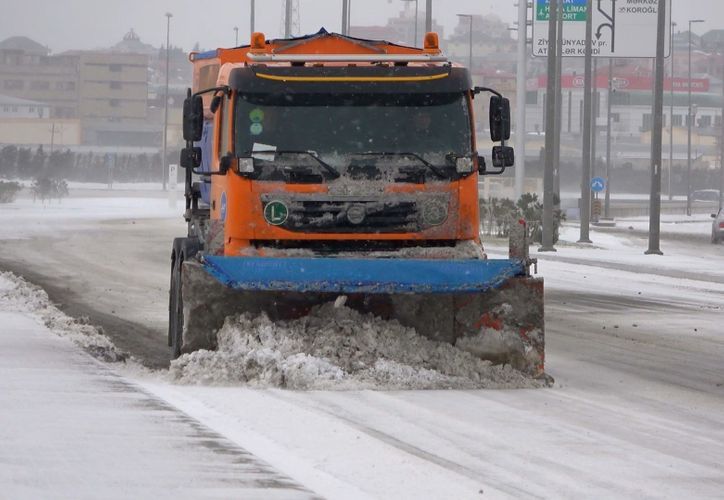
(428, 16)
(165, 103)
(236, 36)
(414, 43)
(470, 41)
(691, 119)
(251, 17)
(671, 113)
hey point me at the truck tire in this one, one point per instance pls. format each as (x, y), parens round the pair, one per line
(183, 249)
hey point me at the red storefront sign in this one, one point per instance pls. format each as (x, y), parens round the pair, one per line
(570, 82)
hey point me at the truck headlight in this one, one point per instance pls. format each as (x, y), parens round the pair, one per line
(434, 212)
(464, 165)
(246, 165)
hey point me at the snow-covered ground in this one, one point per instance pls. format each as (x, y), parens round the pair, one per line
(634, 342)
(71, 427)
(26, 217)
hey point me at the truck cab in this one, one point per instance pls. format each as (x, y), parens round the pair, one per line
(329, 144)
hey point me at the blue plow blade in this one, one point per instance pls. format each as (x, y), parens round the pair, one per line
(371, 276)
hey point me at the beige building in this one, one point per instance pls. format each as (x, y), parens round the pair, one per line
(27, 71)
(106, 90)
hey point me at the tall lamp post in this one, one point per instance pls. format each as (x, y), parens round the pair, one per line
(671, 112)
(236, 36)
(470, 41)
(414, 43)
(251, 17)
(164, 173)
(691, 119)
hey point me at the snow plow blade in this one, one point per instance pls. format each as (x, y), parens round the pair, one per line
(491, 308)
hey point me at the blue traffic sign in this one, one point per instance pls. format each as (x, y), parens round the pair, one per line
(598, 184)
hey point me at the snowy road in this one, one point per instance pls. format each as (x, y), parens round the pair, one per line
(72, 428)
(638, 358)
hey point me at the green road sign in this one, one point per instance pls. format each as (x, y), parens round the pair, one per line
(573, 10)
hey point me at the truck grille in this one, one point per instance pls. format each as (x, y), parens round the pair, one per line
(329, 214)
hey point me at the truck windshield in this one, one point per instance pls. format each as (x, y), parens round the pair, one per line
(383, 131)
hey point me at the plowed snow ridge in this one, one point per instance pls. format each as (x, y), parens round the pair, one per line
(336, 347)
(16, 294)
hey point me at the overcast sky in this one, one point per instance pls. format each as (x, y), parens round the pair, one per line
(86, 24)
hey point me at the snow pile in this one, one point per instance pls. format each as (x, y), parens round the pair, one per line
(18, 295)
(336, 347)
(464, 250)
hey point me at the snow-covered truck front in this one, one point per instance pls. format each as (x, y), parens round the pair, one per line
(329, 165)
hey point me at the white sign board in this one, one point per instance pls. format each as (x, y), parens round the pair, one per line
(621, 28)
(172, 185)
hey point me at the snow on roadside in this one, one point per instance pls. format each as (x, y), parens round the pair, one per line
(337, 348)
(18, 295)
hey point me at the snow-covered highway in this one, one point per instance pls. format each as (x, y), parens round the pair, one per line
(637, 409)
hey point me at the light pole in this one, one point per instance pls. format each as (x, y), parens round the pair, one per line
(671, 112)
(414, 43)
(236, 36)
(251, 18)
(165, 103)
(428, 16)
(657, 136)
(520, 97)
(691, 119)
(345, 17)
(470, 42)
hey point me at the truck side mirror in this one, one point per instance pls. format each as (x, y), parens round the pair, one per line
(499, 119)
(215, 103)
(190, 158)
(193, 118)
(503, 156)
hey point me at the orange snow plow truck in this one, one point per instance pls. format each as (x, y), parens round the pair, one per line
(326, 166)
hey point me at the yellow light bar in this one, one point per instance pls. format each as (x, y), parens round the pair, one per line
(280, 78)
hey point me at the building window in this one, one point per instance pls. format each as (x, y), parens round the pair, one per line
(531, 97)
(116, 85)
(31, 109)
(115, 103)
(6, 109)
(647, 122)
(115, 68)
(64, 85)
(14, 84)
(705, 121)
(717, 121)
(616, 117)
(39, 85)
(678, 121)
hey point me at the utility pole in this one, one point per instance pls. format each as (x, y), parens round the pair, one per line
(345, 15)
(251, 18)
(521, 86)
(656, 142)
(164, 154)
(671, 113)
(721, 162)
(236, 36)
(586, 177)
(547, 237)
(470, 40)
(607, 201)
(689, 125)
(559, 108)
(595, 108)
(288, 19)
(428, 16)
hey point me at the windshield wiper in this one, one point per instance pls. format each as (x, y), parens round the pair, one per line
(429, 165)
(312, 154)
